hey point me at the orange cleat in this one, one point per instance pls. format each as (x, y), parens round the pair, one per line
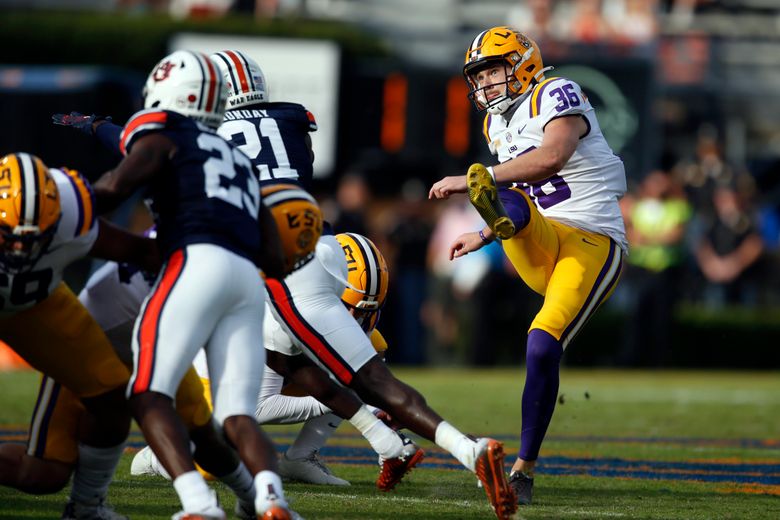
(393, 470)
(490, 471)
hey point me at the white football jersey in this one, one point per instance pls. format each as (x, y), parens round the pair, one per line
(585, 193)
(75, 235)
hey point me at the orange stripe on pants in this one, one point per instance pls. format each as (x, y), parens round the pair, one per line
(147, 334)
(302, 330)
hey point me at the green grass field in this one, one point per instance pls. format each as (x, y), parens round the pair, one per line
(622, 444)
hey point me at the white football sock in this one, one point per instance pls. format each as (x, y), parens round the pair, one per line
(385, 441)
(460, 446)
(94, 471)
(268, 487)
(194, 493)
(313, 436)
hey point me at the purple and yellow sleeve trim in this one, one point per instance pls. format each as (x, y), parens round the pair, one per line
(85, 200)
(486, 127)
(536, 97)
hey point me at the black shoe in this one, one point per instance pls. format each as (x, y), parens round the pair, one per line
(523, 486)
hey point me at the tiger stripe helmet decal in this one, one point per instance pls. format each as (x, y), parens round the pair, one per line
(29, 210)
(367, 276)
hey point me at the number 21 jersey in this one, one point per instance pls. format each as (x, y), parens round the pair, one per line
(275, 137)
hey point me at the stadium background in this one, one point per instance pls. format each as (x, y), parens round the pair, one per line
(688, 88)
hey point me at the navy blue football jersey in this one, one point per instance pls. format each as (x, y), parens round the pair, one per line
(210, 193)
(273, 136)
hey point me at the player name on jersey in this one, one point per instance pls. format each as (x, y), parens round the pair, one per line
(232, 115)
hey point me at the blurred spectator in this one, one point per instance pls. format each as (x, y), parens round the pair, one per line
(353, 196)
(199, 8)
(656, 223)
(407, 235)
(446, 313)
(540, 20)
(635, 22)
(706, 171)
(588, 24)
(729, 250)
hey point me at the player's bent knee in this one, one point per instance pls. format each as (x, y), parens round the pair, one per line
(42, 477)
(517, 207)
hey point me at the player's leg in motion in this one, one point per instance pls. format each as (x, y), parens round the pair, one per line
(236, 360)
(567, 306)
(388, 444)
(277, 405)
(163, 351)
(543, 358)
(377, 386)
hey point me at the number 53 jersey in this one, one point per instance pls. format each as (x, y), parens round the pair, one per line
(585, 193)
(75, 235)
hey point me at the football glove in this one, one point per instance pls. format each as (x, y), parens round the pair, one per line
(79, 121)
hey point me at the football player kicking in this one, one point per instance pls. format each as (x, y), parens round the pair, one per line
(46, 222)
(307, 303)
(212, 231)
(552, 199)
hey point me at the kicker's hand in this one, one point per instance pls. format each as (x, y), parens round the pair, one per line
(447, 186)
(84, 123)
(465, 244)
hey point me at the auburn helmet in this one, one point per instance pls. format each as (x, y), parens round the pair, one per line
(189, 83)
(29, 210)
(520, 57)
(367, 277)
(299, 220)
(245, 79)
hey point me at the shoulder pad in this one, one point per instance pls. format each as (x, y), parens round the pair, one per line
(140, 123)
(82, 194)
(557, 97)
(293, 112)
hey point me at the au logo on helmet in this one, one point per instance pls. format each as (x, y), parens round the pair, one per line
(163, 71)
(298, 219)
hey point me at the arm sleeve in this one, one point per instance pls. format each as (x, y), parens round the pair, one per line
(108, 135)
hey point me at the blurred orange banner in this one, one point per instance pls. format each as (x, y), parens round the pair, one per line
(10, 360)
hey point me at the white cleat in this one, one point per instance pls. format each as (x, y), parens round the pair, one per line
(145, 463)
(310, 469)
(142, 463)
